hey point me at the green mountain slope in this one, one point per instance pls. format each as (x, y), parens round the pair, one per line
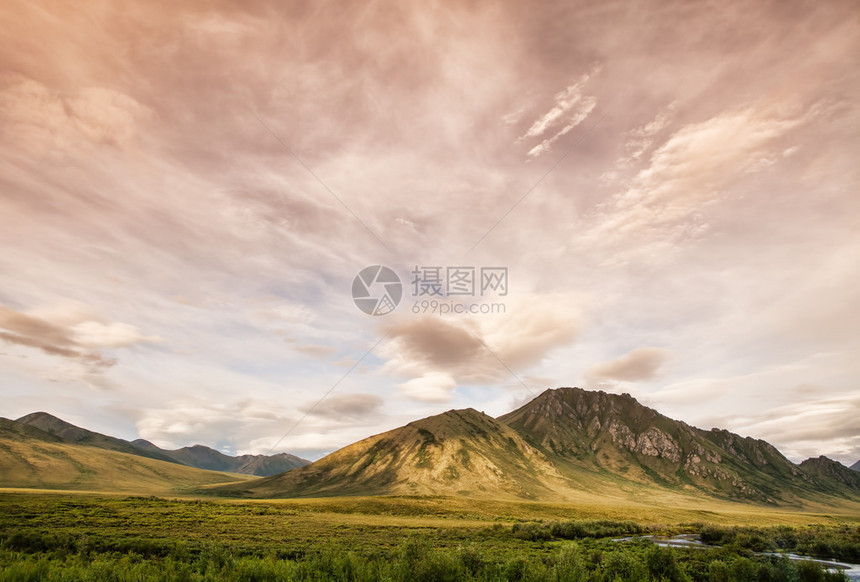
(33, 458)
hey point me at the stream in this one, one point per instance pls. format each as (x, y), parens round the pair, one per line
(692, 541)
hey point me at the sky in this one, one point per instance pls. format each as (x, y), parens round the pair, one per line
(667, 191)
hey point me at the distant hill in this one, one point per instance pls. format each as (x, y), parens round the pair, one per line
(33, 458)
(198, 456)
(564, 444)
(204, 457)
(855, 466)
(831, 474)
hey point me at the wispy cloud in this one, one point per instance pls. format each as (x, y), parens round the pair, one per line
(667, 201)
(48, 122)
(571, 108)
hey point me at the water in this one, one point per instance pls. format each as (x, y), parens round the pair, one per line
(692, 541)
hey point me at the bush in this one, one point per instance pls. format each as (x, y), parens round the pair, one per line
(569, 565)
(516, 568)
(532, 532)
(624, 567)
(437, 567)
(470, 559)
(571, 530)
(662, 565)
(744, 570)
(718, 571)
(809, 571)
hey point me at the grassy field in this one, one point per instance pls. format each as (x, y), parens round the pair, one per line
(114, 537)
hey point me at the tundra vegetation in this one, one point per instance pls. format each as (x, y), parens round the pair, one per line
(104, 538)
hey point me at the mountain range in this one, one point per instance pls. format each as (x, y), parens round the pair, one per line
(564, 444)
(567, 444)
(197, 456)
(34, 459)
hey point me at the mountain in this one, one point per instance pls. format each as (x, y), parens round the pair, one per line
(855, 466)
(204, 457)
(33, 458)
(460, 452)
(617, 434)
(265, 465)
(565, 444)
(830, 474)
(198, 456)
(74, 434)
(11, 430)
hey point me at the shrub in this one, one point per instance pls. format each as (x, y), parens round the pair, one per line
(743, 570)
(662, 565)
(625, 567)
(571, 530)
(809, 571)
(470, 559)
(532, 532)
(718, 571)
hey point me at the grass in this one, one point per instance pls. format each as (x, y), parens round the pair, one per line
(71, 536)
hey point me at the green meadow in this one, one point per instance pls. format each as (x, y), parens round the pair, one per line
(75, 536)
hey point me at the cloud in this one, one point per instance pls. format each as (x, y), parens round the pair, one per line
(69, 337)
(43, 120)
(635, 366)
(668, 200)
(532, 326)
(255, 426)
(346, 406)
(571, 108)
(514, 116)
(434, 343)
(190, 421)
(317, 351)
(94, 334)
(438, 353)
(430, 387)
(817, 425)
(641, 138)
